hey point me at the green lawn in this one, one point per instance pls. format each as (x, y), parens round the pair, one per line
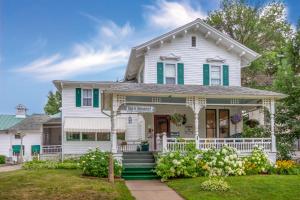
(58, 185)
(273, 187)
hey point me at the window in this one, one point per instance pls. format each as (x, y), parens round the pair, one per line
(193, 41)
(129, 120)
(223, 123)
(87, 97)
(211, 124)
(170, 77)
(17, 136)
(88, 136)
(103, 136)
(73, 136)
(215, 75)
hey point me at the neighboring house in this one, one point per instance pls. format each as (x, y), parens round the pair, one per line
(193, 72)
(33, 131)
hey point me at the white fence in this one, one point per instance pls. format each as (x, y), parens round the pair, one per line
(243, 145)
(51, 149)
(129, 146)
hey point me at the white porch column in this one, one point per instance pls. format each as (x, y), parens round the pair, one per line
(196, 129)
(272, 113)
(113, 135)
(196, 104)
(164, 142)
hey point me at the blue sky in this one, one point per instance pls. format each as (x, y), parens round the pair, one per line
(43, 40)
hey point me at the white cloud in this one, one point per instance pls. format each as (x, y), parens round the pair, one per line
(100, 53)
(166, 14)
(109, 48)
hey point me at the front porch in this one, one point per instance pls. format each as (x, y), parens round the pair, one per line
(208, 122)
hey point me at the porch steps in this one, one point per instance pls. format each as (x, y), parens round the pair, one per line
(138, 166)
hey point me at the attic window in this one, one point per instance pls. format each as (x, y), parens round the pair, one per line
(194, 41)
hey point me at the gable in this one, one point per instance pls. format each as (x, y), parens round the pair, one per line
(180, 50)
(137, 53)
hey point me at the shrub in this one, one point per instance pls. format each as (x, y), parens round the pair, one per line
(40, 164)
(96, 163)
(2, 159)
(286, 167)
(257, 162)
(215, 184)
(179, 164)
(255, 132)
(223, 162)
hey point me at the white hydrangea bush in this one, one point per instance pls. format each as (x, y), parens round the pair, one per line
(223, 162)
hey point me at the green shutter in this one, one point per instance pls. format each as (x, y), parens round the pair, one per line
(205, 74)
(225, 75)
(160, 73)
(96, 98)
(180, 73)
(35, 149)
(78, 97)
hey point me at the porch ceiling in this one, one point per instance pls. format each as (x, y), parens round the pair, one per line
(193, 90)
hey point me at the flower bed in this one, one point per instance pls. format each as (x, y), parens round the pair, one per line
(219, 163)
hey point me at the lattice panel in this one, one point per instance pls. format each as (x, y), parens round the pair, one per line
(234, 101)
(118, 100)
(266, 103)
(196, 103)
(156, 99)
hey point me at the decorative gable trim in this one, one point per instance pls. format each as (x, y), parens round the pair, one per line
(171, 56)
(216, 59)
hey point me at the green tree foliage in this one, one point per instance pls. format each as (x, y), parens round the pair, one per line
(261, 27)
(288, 109)
(54, 103)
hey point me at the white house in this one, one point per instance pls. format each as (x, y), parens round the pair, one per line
(185, 83)
(32, 132)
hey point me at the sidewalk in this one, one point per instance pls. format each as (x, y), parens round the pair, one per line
(151, 190)
(10, 168)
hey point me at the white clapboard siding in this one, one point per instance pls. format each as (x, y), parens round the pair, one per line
(5, 144)
(193, 59)
(81, 147)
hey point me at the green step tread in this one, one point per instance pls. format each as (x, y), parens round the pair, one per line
(139, 177)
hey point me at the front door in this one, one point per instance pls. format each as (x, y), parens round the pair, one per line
(161, 124)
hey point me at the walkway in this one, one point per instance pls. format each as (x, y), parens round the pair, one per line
(151, 190)
(10, 168)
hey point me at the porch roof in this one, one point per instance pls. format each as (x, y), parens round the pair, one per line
(195, 90)
(174, 90)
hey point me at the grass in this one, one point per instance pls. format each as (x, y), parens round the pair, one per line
(275, 187)
(58, 185)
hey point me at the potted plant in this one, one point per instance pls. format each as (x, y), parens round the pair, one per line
(145, 145)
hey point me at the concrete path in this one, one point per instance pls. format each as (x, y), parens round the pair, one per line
(10, 168)
(151, 190)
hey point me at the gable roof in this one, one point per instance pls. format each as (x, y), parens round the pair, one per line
(33, 122)
(8, 121)
(135, 59)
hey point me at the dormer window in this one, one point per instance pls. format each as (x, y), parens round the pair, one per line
(170, 77)
(194, 41)
(215, 75)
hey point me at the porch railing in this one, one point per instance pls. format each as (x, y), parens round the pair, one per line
(129, 146)
(51, 149)
(175, 144)
(243, 145)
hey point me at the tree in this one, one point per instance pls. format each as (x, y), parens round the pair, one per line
(261, 27)
(288, 109)
(54, 103)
